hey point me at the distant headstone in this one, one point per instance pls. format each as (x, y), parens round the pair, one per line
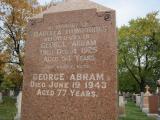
(70, 64)
(146, 100)
(11, 93)
(142, 97)
(134, 97)
(147, 93)
(121, 106)
(1, 97)
(158, 93)
(125, 96)
(138, 100)
(18, 106)
(153, 104)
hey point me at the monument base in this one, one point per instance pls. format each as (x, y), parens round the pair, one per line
(158, 117)
(152, 115)
(145, 110)
(17, 117)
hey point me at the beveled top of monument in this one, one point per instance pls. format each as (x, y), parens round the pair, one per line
(71, 5)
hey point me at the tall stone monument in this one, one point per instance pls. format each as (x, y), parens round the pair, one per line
(146, 100)
(70, 64)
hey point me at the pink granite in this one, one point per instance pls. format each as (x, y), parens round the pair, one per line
(70, 70)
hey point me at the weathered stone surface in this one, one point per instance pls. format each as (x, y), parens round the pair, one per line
(71, 5)
(70, 64)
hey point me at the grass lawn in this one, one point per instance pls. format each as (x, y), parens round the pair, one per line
(7, 109)
(134, 113)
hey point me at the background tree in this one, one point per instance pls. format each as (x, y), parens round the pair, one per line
(139, 50)
(2, 73)
(14, 15)
(12, 80)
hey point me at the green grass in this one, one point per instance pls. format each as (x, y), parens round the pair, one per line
(7, 109)
(134, 113)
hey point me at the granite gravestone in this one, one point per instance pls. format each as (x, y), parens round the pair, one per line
(146, 100)
(70, 64)
(1, 97)
(153, 104)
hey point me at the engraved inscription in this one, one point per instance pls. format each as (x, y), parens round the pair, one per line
(62, 45)
(60, 84)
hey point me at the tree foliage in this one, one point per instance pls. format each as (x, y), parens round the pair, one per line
(13, 80)
(139, 50)
(14, 15)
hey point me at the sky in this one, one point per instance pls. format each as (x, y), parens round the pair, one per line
(127, 9)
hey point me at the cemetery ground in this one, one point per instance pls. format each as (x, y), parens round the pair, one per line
(134, 113)
(8, 111)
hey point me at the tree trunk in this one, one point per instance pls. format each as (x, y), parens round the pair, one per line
(142, 86)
